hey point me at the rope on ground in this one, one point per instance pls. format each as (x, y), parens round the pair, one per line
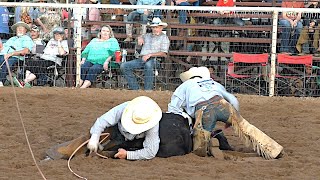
(23, 126)
(75, 151)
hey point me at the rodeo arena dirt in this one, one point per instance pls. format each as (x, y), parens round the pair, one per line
(56, 115)
(280, 100)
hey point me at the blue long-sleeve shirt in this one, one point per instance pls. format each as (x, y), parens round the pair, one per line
(113, 117)
(194, 91)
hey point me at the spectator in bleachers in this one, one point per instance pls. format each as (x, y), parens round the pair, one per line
(183, 14)
(143, 14)
(221, 21)
(35, 36)
(30, 15)
(51, 19)
(153, 44)
(57, 46)
(291, 25)
(4, 26)
(94, 15)
(97, 56)
(308, 41)
(15, 48)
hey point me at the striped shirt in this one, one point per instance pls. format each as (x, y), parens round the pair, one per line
(113, 117)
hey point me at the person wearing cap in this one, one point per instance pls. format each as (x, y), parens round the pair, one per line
(155, 44)
(35, 36)
(208, 101)
(135, 119)
(15, 48)
(57, 46)
(143, 14)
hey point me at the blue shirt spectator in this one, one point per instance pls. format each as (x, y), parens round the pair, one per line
(4, 27)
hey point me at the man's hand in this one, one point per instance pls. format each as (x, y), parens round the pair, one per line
(7, 56)
(93, 143)
(122, 154)
(140, 41)
(146, 57)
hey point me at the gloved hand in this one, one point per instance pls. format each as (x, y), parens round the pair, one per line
(93, 143)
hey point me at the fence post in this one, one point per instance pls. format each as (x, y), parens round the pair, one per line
(273, 52)
(77, 26)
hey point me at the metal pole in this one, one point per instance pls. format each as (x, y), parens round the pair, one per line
(78, 24)
(273, 52)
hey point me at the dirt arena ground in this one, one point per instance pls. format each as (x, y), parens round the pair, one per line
(54, 116)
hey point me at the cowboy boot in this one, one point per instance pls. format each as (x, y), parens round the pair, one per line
(214, 149)
(143, 30)
(223, 141)
(201, 137)
(201, 140)
(129, 32)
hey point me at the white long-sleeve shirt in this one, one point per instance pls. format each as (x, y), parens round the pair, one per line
(196, 90)
(113, 117)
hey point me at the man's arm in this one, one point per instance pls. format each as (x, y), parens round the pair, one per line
(150, 146)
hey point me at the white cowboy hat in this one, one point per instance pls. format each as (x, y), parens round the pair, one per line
(157, 22)
(94, 1)
(202, 72)
(20, 23)
(140, 115)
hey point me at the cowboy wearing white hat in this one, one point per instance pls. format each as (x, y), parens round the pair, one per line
(15, 48)
(155, 44)
(135, 119)
(208, 102)
(20, 24)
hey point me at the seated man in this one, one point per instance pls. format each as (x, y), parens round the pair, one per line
(15, 49)
(38, 42)
(153, 45)
(220, 21)
(291, 26)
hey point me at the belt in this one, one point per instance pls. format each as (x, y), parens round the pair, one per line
(211, 100)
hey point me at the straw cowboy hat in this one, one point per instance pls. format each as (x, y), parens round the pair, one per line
(157, 22)
(202, 72)
(140, 115)
(20, 23)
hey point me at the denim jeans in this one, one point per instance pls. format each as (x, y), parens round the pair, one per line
(90, 71)
(215, 109)
(128, 67)
(114, 2)
(134, 14)
(221, 21)
(4, 69)
(288, 41)
(183, 13)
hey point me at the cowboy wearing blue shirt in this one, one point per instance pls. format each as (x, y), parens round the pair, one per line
(15, 49)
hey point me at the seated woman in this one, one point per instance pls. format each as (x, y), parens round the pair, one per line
(97, 55)
(57, 46)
